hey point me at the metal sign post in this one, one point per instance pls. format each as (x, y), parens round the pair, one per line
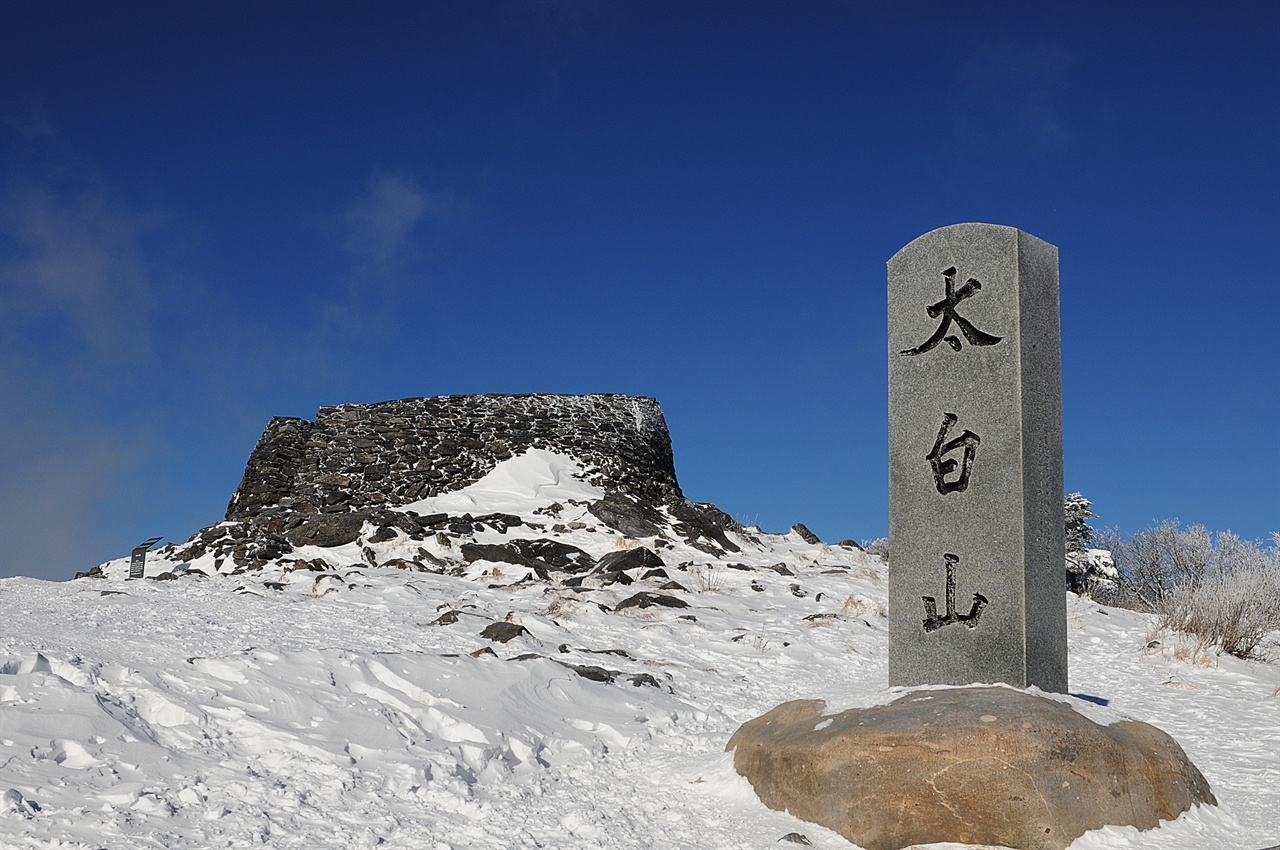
(139, 559)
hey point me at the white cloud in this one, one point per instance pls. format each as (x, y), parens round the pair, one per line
(77, 292)
(381, 225)
(71, 261)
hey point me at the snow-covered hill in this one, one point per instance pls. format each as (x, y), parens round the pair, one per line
(403, 693)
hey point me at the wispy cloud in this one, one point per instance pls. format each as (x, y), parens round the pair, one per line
(77, 289)
(382, 226)
(71, 266)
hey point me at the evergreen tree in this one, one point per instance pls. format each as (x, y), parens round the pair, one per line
(1085, 565)
(1078, 513)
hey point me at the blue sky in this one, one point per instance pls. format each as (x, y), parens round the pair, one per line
(213, 213)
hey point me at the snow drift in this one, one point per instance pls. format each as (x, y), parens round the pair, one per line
(394, 692)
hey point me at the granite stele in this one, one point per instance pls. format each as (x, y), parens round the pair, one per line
(976, 588)
(977, 593)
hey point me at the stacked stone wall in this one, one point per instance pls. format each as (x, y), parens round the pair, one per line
(357, 456)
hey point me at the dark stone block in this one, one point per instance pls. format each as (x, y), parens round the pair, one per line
(503, 632)
(555, 555)
(503, 553)
(327, 531)
(648, 600)
(629, 559)
(383, 534)
(500, 522)
(701, 524)
(628, 515)
(588, 671)
(805, 534)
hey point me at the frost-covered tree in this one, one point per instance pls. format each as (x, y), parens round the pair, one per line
(1086, 567)
(1163, 557)
(1218, 587)
(1079, 511)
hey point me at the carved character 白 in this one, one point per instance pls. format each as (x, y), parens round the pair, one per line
(968, 441)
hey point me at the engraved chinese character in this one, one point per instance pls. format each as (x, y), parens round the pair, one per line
(946, 308)
(932, 622)
(968, 441)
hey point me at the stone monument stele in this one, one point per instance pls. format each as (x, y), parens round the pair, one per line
(976, 537)
(977, 593)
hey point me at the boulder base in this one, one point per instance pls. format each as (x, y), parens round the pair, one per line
(982, 765)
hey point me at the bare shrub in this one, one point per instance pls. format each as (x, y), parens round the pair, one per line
(1235, 604)
(857, 606)
(706, 578)
(879, 547)
(561, 607)
(1152, 563)
(1221, 589)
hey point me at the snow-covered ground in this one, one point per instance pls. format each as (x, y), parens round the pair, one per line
(344, 705)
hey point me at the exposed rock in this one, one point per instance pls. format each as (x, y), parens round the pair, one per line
(327, 531)
(383, 534)
(501, 553)
(589, 671)
(406, 564)
(629, 559)
(498, 522)
(628, 515)
(542, 556)
(503, 632)
(556, 555)
(968, 765)
(648, 600)
(355, 456)
(704, 525)
(805, 534)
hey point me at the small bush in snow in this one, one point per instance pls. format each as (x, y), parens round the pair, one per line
(706, 578)
(879, 547)
(1220, 588)
(1236, 604)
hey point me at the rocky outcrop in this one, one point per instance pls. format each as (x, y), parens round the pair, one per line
(981, 765)
(347, 477)
(357, 456)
